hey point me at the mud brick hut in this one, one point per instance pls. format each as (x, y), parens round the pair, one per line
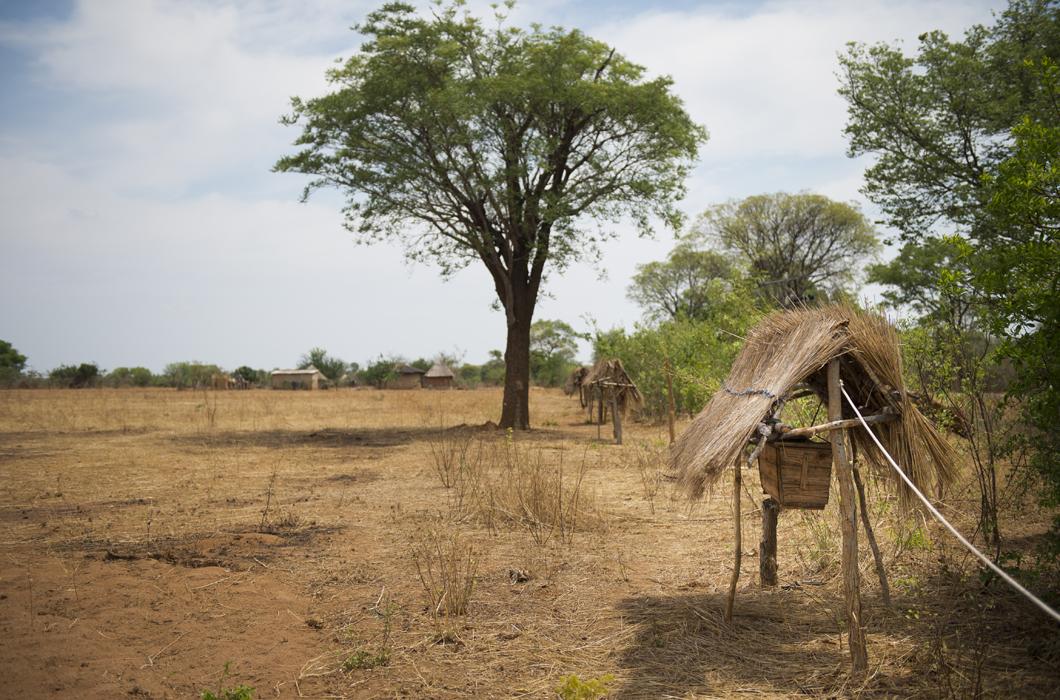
(309, 378)
(406, 377)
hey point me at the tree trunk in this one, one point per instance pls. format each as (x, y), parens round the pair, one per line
(515, 412)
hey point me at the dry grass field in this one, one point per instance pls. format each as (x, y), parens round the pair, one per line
(310, 541)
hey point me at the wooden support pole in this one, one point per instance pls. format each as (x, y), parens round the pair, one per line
(616, 419)
(767, 548)
(789, 432)
(843, 468)
(671, 406)
(737, 470)
(881, 572)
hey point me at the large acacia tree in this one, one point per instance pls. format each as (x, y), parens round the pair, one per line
(498, 145)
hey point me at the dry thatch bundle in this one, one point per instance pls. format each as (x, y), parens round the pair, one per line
(611, 379)
(575, 380)
(793, 348)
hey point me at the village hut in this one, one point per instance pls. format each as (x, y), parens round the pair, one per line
(818, 352)
(406, 377)
(438, 377)
(575, 382)
(610, 387)
(308, 378)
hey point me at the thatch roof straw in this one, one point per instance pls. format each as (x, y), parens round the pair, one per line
(575, 380)
(613, 380)
(439, 370)
(792, 348)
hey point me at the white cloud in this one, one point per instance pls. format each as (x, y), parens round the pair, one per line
(142, 226)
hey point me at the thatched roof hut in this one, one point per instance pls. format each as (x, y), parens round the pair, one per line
(610, 377)
(439, 376)
(789, 351)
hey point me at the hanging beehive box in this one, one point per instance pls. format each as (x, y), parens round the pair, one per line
(797, 474)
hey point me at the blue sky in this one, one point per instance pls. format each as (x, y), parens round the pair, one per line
(140, 223)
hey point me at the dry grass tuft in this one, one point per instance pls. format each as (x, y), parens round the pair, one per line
(446, 567)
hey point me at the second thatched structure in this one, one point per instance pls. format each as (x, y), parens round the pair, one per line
(610, 388)
(818, 352)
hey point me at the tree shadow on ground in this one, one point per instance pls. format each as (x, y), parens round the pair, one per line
(345, 438)
(775, 643)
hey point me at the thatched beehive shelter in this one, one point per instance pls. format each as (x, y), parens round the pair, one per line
(575, 383)
(789, 352)
(610, 386)
(805, 352)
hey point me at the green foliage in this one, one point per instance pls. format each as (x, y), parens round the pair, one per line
(573, 688)
(379, 372)
(331, 367)
(250, 375)
(130, 376)
(796, 246)
(421, 363)
(553, 346)
(10, 358)
(185, 375)
(79, 376)
(966, 135)
(239, 692)
(700, 352)
(685, 285)
(12, 362)
(362, 659)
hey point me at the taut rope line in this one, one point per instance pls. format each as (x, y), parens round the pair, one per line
(934, 511)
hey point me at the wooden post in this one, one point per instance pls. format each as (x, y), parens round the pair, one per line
(767, 548)
(859, 656)
(672, 408)
(881, 572)
(616, 419)
(737, 479)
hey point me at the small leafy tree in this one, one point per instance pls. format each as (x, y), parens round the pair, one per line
(497, 145)
(796, 246)
(379, 372)
(685, 285)
(248, 374)
(130, 376)
(79, 376)
(331, 367)
(553, 346)
(12, 362)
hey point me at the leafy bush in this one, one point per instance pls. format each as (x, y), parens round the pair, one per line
(574, 688)
(76, 377)
(129, 376)
(700, 354)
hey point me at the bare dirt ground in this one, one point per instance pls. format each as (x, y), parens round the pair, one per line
(149, 537)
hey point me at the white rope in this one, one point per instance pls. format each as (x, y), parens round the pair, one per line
(934, 511)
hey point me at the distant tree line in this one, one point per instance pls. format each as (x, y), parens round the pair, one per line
(554, 347)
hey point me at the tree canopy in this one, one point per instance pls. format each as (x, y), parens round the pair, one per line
(499, 145)
(966, 135)
(795, 245)
(688, 284)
